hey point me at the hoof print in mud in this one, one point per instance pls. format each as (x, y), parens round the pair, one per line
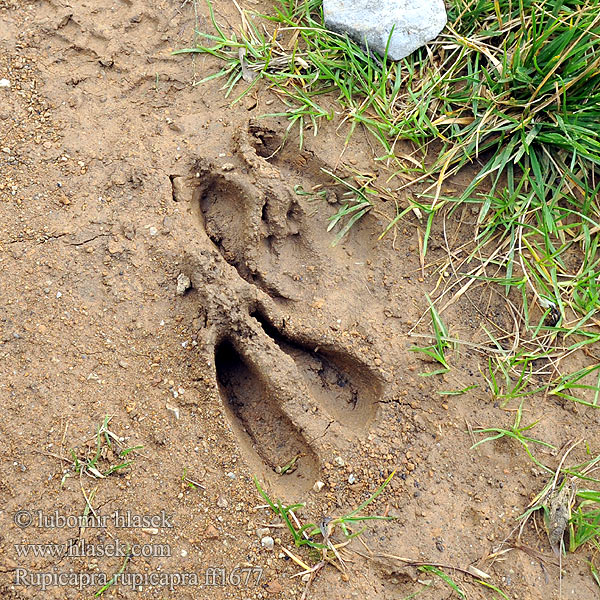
(261, 228)
(254, 231)
(341, 384)
(220, 204)
(264, 431)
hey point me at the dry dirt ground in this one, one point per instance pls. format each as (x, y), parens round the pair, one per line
(117, 177)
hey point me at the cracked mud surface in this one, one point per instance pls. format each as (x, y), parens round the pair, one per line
(120, 176)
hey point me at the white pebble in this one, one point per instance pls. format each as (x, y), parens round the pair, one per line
(173, 409)
(4, 83)
(267, 542)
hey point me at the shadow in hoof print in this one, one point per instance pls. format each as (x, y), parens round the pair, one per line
(280, 410)
(262, 428)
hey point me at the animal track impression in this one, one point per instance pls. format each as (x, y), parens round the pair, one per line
(338, 382)
(261, 230)
(262, 428)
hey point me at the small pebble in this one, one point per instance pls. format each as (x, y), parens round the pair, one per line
(183, 284)
(352, 478)
(4, 83)
(222, 502)
(319, 485)
(152, 231)
(267, 542)
(173, 409)
(339, 461)
(228, 167)
(262, 532)
(211, 533)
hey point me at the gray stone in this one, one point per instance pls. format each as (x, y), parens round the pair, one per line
(415, 23)
(183, 284)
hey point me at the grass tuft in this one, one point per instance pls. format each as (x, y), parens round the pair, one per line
(101, 463)
(305, 535)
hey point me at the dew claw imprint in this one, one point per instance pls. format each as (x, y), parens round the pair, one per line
(286, 393)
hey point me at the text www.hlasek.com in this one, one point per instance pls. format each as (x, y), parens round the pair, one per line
(82, 549)
(211, 577)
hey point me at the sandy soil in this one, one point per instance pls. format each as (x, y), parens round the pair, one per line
(119, 179)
